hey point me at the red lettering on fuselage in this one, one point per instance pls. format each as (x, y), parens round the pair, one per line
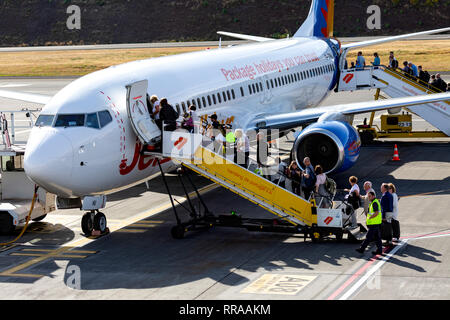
(140, 160)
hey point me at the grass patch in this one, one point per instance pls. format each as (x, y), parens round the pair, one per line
(433, 55)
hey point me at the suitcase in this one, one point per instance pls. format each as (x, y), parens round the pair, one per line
(395, 228)
(386, 231)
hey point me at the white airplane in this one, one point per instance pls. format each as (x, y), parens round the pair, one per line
(84, 143)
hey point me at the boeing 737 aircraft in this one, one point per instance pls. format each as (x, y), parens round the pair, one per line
(85, 144)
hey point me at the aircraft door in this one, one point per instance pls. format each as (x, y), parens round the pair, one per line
(141, 121)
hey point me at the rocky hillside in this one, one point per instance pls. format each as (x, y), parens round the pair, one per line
(43, 22)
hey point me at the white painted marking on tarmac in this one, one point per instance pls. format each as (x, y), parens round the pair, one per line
(374, 269)
(282, 284)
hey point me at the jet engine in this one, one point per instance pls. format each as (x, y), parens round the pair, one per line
(335, 145)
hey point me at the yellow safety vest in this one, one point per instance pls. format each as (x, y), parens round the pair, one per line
(378, 218)
(230, 138)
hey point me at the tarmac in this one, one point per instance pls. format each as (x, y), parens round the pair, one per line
(140, 260)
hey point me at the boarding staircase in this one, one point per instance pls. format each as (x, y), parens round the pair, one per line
(395, 84)
(197, 153)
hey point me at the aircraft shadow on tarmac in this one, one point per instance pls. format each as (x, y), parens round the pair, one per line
(154, 260)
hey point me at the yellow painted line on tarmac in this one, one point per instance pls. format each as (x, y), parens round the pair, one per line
(40, 257)
(151, 221)
(46, 255)
(144, 225)
(131, 230)
(69, 247)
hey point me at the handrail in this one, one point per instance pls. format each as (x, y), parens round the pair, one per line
(402, 74)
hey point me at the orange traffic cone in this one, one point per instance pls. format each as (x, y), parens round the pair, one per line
(396, 156)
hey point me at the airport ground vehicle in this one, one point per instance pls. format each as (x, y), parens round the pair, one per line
(16, 190)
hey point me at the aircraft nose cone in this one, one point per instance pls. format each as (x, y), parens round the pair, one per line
(48, 160)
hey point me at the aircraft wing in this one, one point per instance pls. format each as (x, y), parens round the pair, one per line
(390, 39)
(294, 119)
(23, 96)
(244, 36)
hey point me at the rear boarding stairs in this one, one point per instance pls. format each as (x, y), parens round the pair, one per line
(396, 84)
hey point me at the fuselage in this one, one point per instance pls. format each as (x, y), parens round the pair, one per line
(84, 144)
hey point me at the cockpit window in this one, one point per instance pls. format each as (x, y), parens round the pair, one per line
(92, 121)
(44, 120)
(70, 120)
(105, 118)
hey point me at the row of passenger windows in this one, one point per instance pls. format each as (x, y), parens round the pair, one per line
(94, 120)
(290, 78)
(217, 98)
(207, 101)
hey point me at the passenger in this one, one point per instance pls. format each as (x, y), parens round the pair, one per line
(376, 61)
(188, 123)
(373, 222)
(360, 61)
(433, 82)
(243, 148)
(387, 208)
(230, 144)
(415, 71)
(155, 106)
(367, 188)
(213, 131)
(441, 84)
(280, 168)
(295, 174)
(219, 140)
(193, 113)
(406, 69)
(393, 62)
(424, 76)
(168, 115)
(309, 178)
(154, 109)
(353, 198)
(262, 152)
(322, 196)
(352, 66)
(395, 221)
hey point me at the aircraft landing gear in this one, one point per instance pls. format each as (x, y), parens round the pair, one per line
(94, 223)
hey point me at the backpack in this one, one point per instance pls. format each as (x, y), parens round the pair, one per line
(331, 186)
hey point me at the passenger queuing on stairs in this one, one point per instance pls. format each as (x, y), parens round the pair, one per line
(393, 62)
(309, 178)
(295, 177)
(413, 67)
(360, 61)
(242, 148)
(424, 76)
(168, 115)
(376, 61)
(440, 84)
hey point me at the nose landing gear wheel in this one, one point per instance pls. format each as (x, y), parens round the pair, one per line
(100, 222)
(87, 224)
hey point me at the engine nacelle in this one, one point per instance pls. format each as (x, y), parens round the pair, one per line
(335, 145)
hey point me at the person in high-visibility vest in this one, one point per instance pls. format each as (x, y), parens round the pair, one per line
(230, 139)
(373, 221)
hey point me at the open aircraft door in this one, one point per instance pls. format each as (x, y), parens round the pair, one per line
(143, 124)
